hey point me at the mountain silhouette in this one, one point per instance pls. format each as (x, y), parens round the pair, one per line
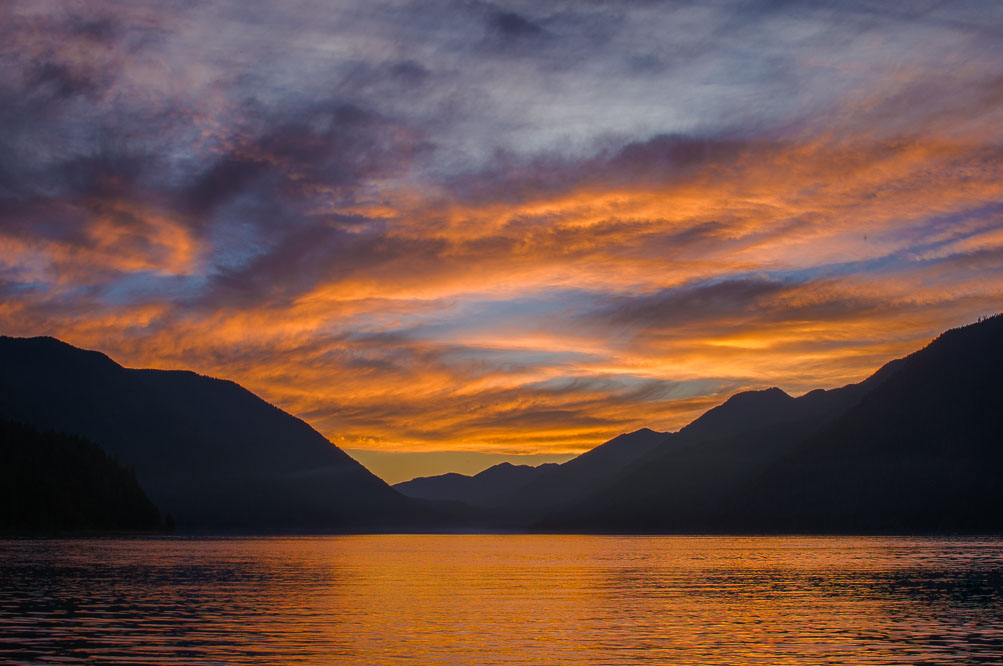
(207, 451)
(574, 481)
(52, 482)
(523, 497)
(571, 481)
(521, 493)
(484, 489)
(917, 447)
(742, 411)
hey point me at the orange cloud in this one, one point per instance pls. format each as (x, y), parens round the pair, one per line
(328, 250)
(384, 356)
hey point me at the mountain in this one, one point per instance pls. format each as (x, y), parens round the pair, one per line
(484, 489)
(521, 494)
(924, 452)
(741, 412)
(915, 448)
(52, 482)
(576, 480)
(570, 481)
(524, 495)
(207, 451)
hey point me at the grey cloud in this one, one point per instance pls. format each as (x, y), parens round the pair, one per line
(510, 25)
(716, 302)
(305, 255)
(312, 114)
(409, 71)
(733, 303)
(61, 80)
(661, 159)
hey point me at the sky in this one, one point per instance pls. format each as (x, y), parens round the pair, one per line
(448, 233)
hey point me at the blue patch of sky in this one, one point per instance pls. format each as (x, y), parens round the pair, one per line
(476, 314)
(146, 286)
(515, 360)
(903, 259)
(13, 288)
(236, 238)
(637, 389)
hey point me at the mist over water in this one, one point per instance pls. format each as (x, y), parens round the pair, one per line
(503, 598)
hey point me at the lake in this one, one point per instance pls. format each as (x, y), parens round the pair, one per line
(503, 599)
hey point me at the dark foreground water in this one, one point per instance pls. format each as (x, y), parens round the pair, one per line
(486, 599)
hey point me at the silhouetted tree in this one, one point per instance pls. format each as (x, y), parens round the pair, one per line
(54, 482)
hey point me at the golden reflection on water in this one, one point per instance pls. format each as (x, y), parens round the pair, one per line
(504, 599)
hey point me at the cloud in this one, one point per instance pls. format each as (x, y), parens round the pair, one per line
(500, 227)
(510, 26)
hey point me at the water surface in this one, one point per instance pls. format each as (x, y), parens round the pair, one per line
(504, 599)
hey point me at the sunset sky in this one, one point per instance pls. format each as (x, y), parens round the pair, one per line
(452, 233)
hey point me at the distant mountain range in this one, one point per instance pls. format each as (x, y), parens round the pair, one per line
(917, 447)
(529, 494)
(485, 489)
(519, 493)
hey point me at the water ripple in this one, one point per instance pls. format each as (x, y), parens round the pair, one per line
(503, 599)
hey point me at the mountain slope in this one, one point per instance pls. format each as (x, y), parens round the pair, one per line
(206, 450)
(916, 447)
(923, 453)
(741, 412)
(52, 482)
